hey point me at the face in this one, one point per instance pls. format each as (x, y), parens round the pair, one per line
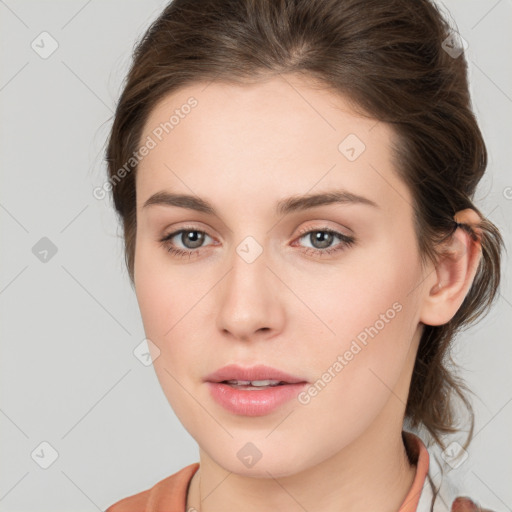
(328, 292)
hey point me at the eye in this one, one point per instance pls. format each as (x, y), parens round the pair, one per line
(191, 238)
(322, 240)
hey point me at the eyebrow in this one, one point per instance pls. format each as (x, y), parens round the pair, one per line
(283, 207)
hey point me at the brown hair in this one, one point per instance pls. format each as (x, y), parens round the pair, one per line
(386, 56)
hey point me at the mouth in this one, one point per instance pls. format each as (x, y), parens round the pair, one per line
(253, 384)
(254, 391)
(258, 376)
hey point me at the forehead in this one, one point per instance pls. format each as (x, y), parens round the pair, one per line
(280, 137)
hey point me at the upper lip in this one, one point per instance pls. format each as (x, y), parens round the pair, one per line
(258, 372)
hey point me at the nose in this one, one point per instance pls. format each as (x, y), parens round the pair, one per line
(249, 298)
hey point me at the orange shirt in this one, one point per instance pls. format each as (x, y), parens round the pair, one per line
(170, 494)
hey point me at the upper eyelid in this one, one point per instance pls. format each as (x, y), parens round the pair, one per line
(322, 227)
(302, 233)
(175, 232)
(330, 229)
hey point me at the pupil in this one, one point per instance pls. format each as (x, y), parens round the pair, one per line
(317, 237)
(194, 237)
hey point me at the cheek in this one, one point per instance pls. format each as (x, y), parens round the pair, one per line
(163, 300)
(373, 314)
(159, 288)
(363, 296)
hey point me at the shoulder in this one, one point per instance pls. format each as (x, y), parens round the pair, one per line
(136, 502)
(440, 491)
(465, 504)
(164, 495)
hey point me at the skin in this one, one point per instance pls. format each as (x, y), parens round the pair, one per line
(243, 148)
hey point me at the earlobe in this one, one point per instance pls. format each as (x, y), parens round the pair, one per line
(454, 271)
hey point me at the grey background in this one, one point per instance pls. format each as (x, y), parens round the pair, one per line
(70, 325)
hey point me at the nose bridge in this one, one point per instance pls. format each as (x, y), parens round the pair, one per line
(248, 271)
(248, 301)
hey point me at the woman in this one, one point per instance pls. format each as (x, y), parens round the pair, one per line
(295, 180)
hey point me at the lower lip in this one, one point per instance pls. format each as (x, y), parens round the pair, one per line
(256, 402)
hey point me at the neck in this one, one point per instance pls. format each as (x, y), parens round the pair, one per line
(372, 473)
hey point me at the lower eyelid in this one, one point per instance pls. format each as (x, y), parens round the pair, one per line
(167, 238)
(341, 236)
(344, 240)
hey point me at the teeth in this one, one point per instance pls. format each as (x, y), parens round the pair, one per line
(254, 382)
(265, 382)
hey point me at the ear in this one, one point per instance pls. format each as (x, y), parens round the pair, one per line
(454, 271)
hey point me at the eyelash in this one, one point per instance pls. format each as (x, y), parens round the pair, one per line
(346, 241)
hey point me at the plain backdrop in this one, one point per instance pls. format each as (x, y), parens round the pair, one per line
(73, 395)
